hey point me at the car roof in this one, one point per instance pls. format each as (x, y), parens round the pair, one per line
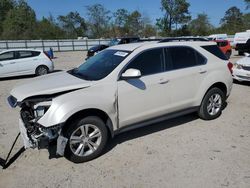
(20, 49)
(153, 44)
(130, 46)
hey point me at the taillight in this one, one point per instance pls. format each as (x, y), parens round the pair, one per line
(230, 67)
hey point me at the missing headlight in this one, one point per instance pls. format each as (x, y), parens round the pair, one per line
(41, 108)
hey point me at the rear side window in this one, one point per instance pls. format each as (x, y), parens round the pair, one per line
(183, 57)
(7, 56)
(215, 50)
(25, 54)
(222, 44)
(34, 53)
(148, 62)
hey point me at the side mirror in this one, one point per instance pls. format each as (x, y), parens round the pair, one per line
(247, 54)
(131, 74)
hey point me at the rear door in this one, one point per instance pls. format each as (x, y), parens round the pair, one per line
(27, 61)
(186, 70)
(8, 65)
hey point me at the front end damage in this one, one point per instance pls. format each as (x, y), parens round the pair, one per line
(35, 135)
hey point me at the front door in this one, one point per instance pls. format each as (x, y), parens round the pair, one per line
(144, 98)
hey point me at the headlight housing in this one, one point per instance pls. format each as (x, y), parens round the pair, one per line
(238, 66)
(41, 108)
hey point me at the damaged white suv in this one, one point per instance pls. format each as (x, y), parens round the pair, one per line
(121, 88)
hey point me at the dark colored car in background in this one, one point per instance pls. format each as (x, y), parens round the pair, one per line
(116, 41)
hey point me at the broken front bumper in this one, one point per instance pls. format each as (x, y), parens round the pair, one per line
(28, 143)
(44, 138)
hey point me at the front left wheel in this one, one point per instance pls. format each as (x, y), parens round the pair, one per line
(87, 139)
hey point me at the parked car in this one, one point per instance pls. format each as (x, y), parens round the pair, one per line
(241, 69)
(121, 88)
(242, 42)
(24, 62)
(225, 47)
(218, 37)
(116, 41)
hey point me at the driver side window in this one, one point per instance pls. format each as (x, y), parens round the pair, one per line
(148, 62)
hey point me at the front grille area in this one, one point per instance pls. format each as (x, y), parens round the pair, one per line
(246, 68)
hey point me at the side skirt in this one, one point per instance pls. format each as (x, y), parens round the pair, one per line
(156, 120)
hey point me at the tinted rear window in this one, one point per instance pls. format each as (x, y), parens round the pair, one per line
(215, 50)
(34, 53)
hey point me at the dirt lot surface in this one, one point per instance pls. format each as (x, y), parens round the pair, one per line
(182, 152)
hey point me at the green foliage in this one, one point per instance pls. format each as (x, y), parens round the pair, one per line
(5, 7)
(98, 19)
(200, 26)
(48, 29)
(73, 25)
(232, 22)
(19, 22)
(175, 13)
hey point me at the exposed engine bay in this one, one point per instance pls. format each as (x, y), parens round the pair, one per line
(35, 135)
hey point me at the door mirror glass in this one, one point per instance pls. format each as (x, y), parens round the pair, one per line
(131, 73)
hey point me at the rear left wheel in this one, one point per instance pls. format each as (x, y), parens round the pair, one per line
(42, 70)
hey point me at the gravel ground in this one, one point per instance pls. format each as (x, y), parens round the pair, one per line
(182, 152)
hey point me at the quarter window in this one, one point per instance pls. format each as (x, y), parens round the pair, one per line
(148, 62)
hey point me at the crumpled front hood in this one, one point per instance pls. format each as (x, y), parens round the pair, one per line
(244, 61)
(48, 85)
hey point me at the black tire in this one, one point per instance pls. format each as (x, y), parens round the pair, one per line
(42, 70)
(205, 104)
(74, 128)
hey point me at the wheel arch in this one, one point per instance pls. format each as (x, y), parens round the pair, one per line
(219, 85)
(91, 112)
(41, 65)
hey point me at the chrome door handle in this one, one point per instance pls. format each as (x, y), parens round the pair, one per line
(12, 62)
(202, 71)
(163, 81)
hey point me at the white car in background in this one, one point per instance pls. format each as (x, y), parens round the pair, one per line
(18, 62)
(241, 69)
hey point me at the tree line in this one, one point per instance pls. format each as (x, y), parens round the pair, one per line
(18, 21)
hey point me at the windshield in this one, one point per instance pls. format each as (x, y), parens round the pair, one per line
(100, 65)
(114, 42)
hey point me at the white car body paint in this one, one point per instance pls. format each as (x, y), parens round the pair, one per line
(241, 70)
(23, 66)
(132, 101)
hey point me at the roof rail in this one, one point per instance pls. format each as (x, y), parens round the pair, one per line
(179, 39)
(149, 40)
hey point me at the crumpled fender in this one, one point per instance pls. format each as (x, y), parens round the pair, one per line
(101, 97)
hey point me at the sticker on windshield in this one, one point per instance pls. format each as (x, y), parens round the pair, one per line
(122, 54)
